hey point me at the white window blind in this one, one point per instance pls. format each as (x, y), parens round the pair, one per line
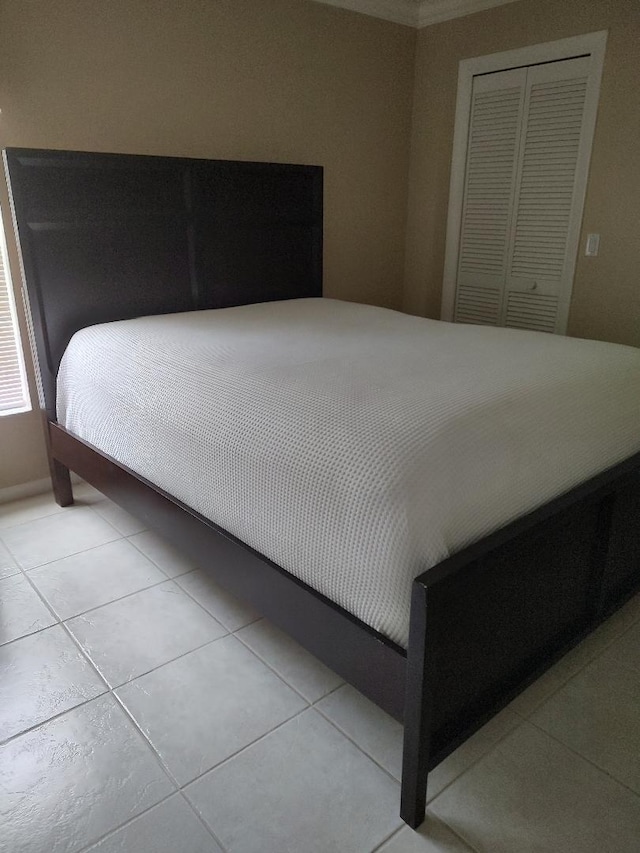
(14, 393)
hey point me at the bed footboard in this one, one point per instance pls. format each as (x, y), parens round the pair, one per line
(488, 621)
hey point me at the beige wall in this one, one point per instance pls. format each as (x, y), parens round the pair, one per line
(282, 80)
(606, 294)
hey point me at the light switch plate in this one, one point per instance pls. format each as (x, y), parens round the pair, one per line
(593, 244)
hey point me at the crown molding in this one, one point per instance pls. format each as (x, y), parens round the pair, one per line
(396, 11)
(435, 11)
(415, 13)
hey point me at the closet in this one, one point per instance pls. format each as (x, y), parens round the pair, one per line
(527, 157)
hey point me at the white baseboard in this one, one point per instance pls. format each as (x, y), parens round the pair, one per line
(28, 490)
(24, 490)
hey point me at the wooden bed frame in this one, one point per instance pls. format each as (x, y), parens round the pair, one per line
(105, 237)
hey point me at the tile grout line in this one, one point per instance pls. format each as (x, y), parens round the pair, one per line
(455, 833)
(494, 746)
(57, 511)
(125, 537)
(63, 620)
(153, 668)
(387, 838)
(51, 719)
(199, 817)
(357, 745)
(274, 670)
(94, 507)
(112, 690)
(93, 669)
(249, 745)
(27, 569)
(157, 565)
(164, 580)
(147, 741)
(200, 604)
(239, 751)
(399, 781)
(396, 832)
(60, 620)
(585, 758)
(108, 688)
(92, 844)
(591, 659)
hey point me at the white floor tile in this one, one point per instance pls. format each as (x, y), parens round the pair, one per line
(42, 675)
(203, 707)
(304, 787)
(165, 556)
(171, 827)
(95, 577)
(27, 509)
(133, 635)
(380, 736)
(294, 664)
(8, 565)
(73, 779)
(225, 607)
(375, 732)
(22, 611)
(470, 751)
(626, 649)
(86, 495)
(627, 615)
(280, 783)
(119, 518)
(432, 837)
(59, 535)
(532, 795)
(597, 714)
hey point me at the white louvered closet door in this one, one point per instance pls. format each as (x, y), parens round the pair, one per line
(543, 244)
(520, 225)
(492, 161)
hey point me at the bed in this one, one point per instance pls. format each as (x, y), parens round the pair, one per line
(438, 512)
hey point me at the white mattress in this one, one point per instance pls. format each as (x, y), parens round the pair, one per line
(354, 446)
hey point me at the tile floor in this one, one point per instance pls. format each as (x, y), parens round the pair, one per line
(144, 710)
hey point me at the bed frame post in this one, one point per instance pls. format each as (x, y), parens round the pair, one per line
(61, 482)
(60, 474)
(417, 710)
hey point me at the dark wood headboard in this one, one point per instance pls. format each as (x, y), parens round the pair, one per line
(111, 236)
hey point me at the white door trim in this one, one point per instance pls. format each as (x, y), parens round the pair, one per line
(592, 44)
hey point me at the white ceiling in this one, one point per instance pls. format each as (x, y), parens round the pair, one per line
(416, 13)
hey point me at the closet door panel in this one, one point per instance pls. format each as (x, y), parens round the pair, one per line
(492, 161)
(541, 251)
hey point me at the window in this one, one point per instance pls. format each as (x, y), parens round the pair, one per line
(14, 392)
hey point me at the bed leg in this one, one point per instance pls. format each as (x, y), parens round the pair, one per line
(61, 482)
(417, 715)
(60, 475)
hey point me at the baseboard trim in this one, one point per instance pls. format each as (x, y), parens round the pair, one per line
(28, 490)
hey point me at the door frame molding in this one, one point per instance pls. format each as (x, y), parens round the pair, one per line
(589, 44)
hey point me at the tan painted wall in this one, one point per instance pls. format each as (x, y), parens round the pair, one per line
(282, 80)
(606, 294)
